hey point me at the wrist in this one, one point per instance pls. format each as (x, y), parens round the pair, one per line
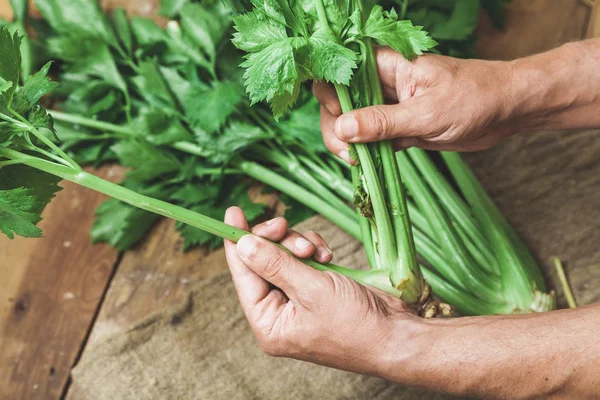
(438, 354)
(553, 90)
(406, 351)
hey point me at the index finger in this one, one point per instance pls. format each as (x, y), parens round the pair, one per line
(325, 93)
(251, 288)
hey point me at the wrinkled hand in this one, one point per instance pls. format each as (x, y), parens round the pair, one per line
(299, 312)
(434, 102)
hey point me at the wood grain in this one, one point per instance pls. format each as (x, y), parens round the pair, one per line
(50, 292)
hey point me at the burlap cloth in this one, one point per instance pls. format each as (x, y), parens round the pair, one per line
(548, 185)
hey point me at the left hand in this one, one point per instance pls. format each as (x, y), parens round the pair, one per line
(299, 312)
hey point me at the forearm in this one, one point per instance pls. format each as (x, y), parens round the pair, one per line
(520, 356)
(558, 89)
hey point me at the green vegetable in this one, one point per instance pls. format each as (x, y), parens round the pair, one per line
(289, 42)
(145, 102)
(30, 172)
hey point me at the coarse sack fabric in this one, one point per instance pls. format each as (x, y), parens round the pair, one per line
(204, 349)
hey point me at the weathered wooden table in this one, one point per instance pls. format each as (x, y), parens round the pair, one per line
(59, 293)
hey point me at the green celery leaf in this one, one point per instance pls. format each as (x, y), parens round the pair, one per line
(121, 225)
(39, 118)
(239, 197)
(91, 98)
(17, 213)
(208, 109)
(194, 237)
(81, 19)
(24, 193)
(105, 103)
(89, 57)
(146, 32)
(402, 36)
(255, 31)
(71, 134)
(228, 144)
(41, 185)
(10, 64)
(190, 194)
(180, 86)
(182, 45)
(163, 128)
(151, 81)
(147, 162)
(206, 25)
(281, 103)
(171, 8)
(303, 124)
(122, 28)
(38, 85)
(94, 154)
(272, 72)
(188, 170)
(461, 24)
(330, 61)
(289, 13)
(337, 12)
(19, 8)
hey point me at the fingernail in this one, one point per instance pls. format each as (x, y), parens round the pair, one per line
(325, 253)
(301, 243)
(345, 155)
(346, 127)
(270, 222)
(246, 246)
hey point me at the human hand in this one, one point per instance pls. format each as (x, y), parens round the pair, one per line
(435, 102)
(296, 311)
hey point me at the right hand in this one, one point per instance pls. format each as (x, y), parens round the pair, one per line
(434, 102)
(321, 317)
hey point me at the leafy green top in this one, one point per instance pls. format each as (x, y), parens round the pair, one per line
(289, 42)
(24, 124)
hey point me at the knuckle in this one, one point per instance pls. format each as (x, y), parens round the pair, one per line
(321, 287)
(330, 144)
(312, 236)
(275, 264)
(380, 122)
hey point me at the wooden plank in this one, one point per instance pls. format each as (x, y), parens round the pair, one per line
(533, 26)
(50, 289)
(155, 275)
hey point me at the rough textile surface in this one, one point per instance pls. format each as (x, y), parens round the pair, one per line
(204, 349)
(547, 184)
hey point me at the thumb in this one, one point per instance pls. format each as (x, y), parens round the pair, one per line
(276, 266)
(375, 123)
